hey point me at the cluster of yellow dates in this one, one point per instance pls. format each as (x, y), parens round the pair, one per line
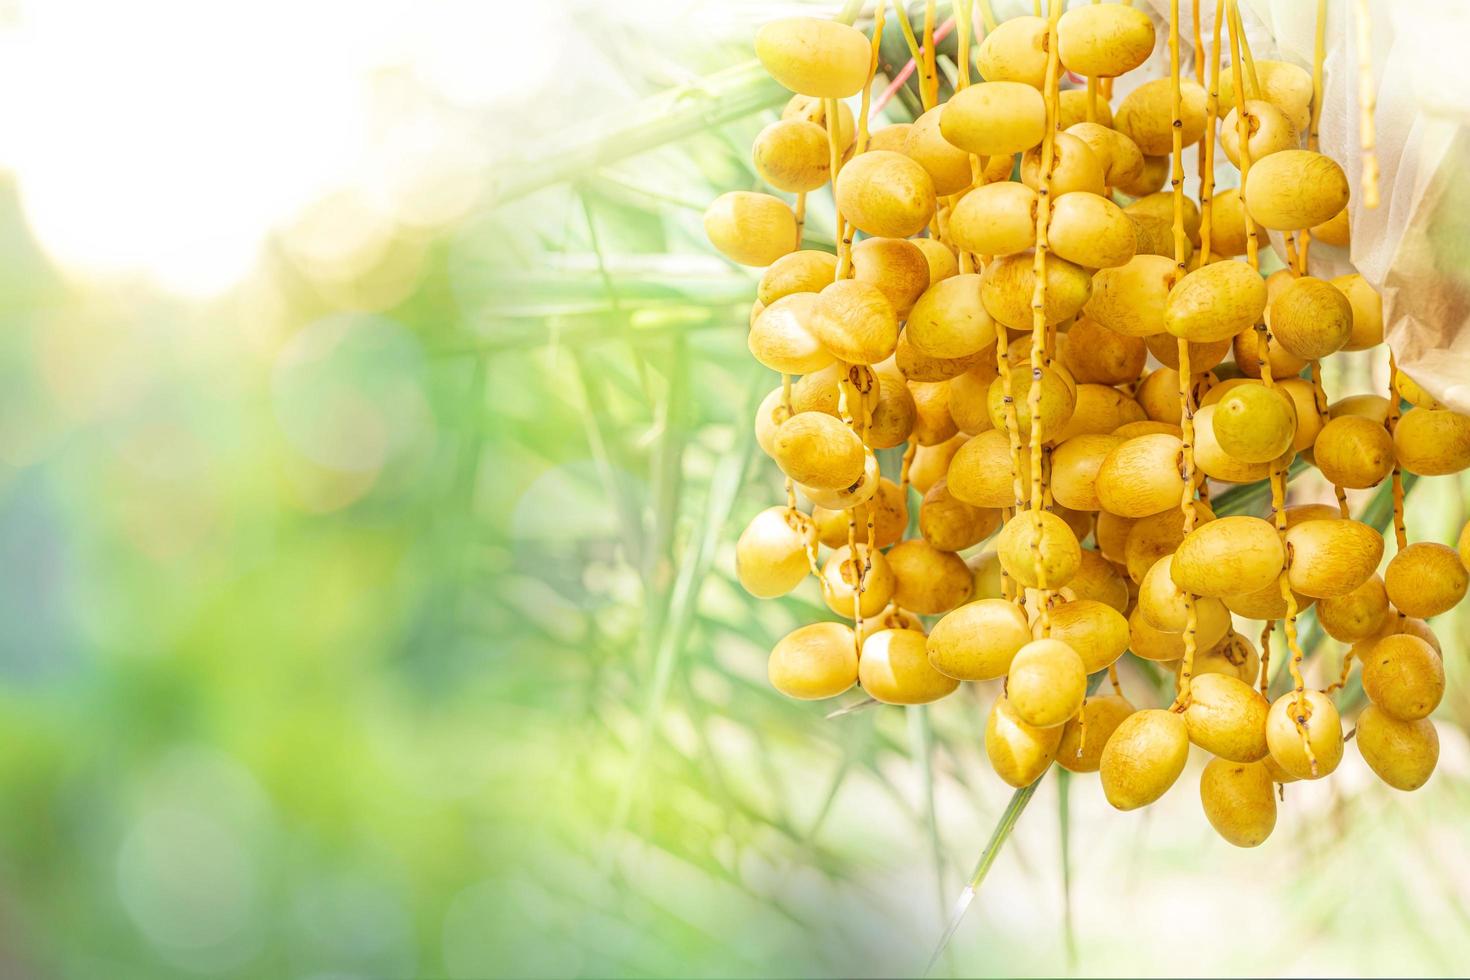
(928, 329)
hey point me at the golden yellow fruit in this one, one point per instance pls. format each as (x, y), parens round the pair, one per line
(1119, 156)
(1143, 758)
(1095, 630)
(894, 668)
(1239, 800)
(1331, 557)
(1155, 236)
(750, 228)
(1229, 556)
(1213, 461)
(1404, 676)
(1413, 392)
(1316, 712)
(1374, 407)
(1101, 716)
(892, 618)
(896, 266)
(1284, 364)
(771, 554)
(792, 155)
(1104, 40)
(1227, 717)
(1161, 205)
(894, 413)
(932, 424)
(1295, 189)
(1145, 115)
(1131, 299)
(1015, 51)
(943, 262)
(1163, 606)
(1356, 615)
(1058, 399)
(807, 271)
(1227, 225)
(814, 56)
(1334, 231)
(890, 518)
(1007, 283)
(997, 219)
(885, 194)
(931, 463)
(1234, 656)
(1254, 424)
(969, 398)
(1268, 131)
(928, 581)
(949, 321)
(1090, 230)
(950, 524)
(1056, 550)
(1202, 357)
(1019, 753)
(1094, 354)
(1432, 442)
(1265, 603)
(1367, 311)
(1072, 106)
(1148, 643)
(921, 367)
(995, 117)
(855, 322)
(1402, 753)
(848, 497)
(1046, 683)
(813, 109)
(948, 165)
(1354, 452)
(1141, 476)
(977, 641)
(842, 573)
(1075, 167)
(1215, 302)
(1311, 318)
(1284, 85)
(1158, 535)
(818, 450)
(980, 471)
(781, 337)
(1074, 466)
(1153, 175)
(1098, 579)
(814, 662)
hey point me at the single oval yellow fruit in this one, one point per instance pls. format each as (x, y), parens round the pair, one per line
(1374, 407)
(1404, 676)
(1239, 800)
(1356, 615)
(1100, 716)
(1141, 476)
(1311, 318)
(814, 662)
(1090, 230)
(1215, 302)
(1104, 41)
(1265, 603)
(1367, 311)
(978, 640)
(855, 322)
(1227, 225)
(1152, 177)
(885, 194)
(1161, 205)
(1074, 467)
(1146, 116)
(950, 524)
(1354, 452)
(1006, 289)
(792, 155)
(1334, 231)
(980, 471)
(1268, 131)
(1094, 354)
(853, 495)
(1015, 51)
(1097, 579)
(943, 262)
(969, 398)
(1213, 461)
(1432, 442)
(781, 337)
(818, 450)
(1163, 606)
(1255, 424)
(1058, 399)
(1401, 753)
(896, 266)
(1426, 579)
(931, 464)
(1046, 683)
(1229, 556)
(894, 668)
(996, 219)
(1056, 545)
(1317, 714)
(843, 572)
(928, 581)
(1295, 189)
(1202, 357)
(1075, 167)
(1227, 717)
(948, 165)
(1143, 758)
(949, 321)
(894, 413)
(921, 367)
(1095, 630)
(1131, 298)
(1331, 557)
(1019, 753)
(814, 56)
(806, 271)
(771, 554)
(1072, 108)
(932, 423)
(1148, 643)
(750, 228)
(994, 117)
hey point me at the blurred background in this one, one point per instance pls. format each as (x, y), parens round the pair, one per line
(374, 433)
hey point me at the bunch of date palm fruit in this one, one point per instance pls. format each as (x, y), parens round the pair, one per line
(1072, 355)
